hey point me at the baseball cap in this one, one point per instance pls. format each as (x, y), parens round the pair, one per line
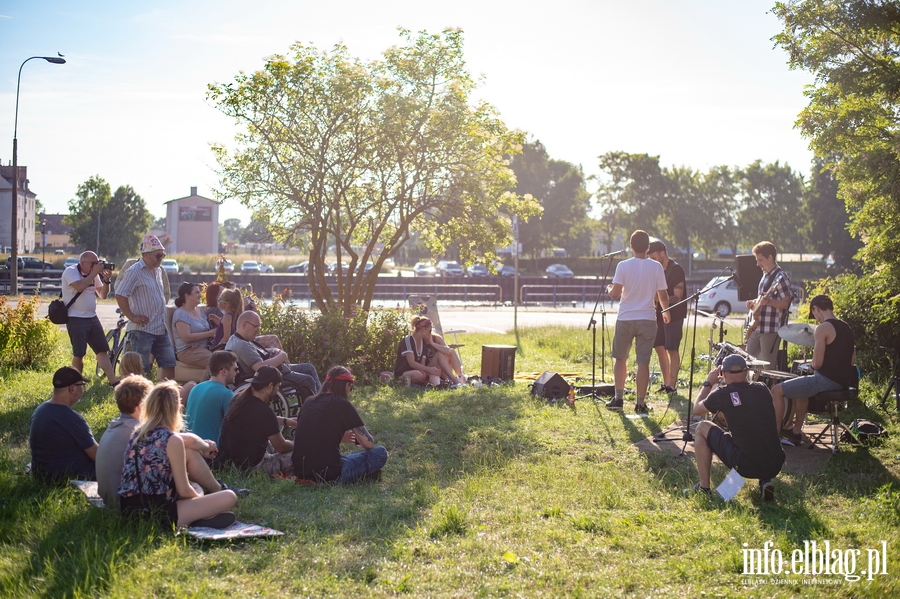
(151, 243)
(266, 375)
(734, 364)
(657, 246)
(66, 376)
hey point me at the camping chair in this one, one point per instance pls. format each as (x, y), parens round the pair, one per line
(183, 372)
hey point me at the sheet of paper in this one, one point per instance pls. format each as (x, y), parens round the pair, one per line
(730, 486)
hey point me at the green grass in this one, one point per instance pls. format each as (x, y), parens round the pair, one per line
(488, 493)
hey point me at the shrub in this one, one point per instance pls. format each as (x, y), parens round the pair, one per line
(26, 341)
(364, 342)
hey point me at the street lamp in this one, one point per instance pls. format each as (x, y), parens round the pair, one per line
(43, 243)
(14, 222)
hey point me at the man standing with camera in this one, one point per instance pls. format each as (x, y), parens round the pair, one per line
(88, 279)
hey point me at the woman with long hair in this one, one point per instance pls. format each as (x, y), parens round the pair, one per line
(155, 478)
(191, 328)
(231, 304)
(327, 420)
(424, 357)
(211, 307)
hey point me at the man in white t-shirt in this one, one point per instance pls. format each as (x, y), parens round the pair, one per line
(84, 328)
(637, 281)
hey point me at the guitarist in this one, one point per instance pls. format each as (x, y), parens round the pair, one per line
(770, 308)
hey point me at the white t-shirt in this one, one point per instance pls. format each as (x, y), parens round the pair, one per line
(640, 278)
(86, 304)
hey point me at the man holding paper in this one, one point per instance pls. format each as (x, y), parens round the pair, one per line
(752, 445)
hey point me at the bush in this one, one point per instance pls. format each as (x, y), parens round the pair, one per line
(365, 342)
(26, 341)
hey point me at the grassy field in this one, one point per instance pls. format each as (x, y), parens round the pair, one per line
(488, 493)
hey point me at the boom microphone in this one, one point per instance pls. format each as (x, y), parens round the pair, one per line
(622, 251)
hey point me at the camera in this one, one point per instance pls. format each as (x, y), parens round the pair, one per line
(107, 265)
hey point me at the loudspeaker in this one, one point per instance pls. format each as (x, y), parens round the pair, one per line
(747, 274)
(498, 361)
(550, 386)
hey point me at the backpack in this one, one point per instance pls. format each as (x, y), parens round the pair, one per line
(865, 431)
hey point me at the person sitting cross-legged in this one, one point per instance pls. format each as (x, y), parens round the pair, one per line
(155, 480)
(208, 402)
(752, 445)
(251, 432)
(327, 420)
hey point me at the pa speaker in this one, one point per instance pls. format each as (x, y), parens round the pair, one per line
(748, 275)
(550, 386)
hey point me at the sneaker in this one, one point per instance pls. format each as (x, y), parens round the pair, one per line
(615, 404)
(697, 489)
(223, 520)
(237, 491)
(766, 490)
(641, 408)
(666, 389)
(789, 437)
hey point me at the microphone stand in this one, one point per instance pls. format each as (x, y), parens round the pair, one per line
(592, 326)
(686, 435)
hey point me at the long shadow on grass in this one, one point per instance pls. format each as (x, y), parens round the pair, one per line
(64, 547)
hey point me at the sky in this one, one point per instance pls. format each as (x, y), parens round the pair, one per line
(698, 83)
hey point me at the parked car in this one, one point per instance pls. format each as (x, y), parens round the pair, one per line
(71, 261)
(424, 269)
(263, 267)
(507, 271)
(30, 262)
(299, 268)
(344, 266)
(559, 271)
(227, 265)
(59, 252)
(449, 268)
(477, 270)
(723, 299)
(250, 266)
(170, 266)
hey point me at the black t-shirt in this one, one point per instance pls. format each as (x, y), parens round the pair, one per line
(674, 276)
(409, 345)
(320, 427)
(245, 434)
(58, 437)
(751, 420)
(838, 359)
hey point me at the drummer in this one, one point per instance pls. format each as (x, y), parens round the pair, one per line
(834, 355)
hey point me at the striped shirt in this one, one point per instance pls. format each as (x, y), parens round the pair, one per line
(770, 318)
(143, 287)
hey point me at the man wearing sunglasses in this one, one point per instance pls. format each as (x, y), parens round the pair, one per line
(62, 444)
(140, 295)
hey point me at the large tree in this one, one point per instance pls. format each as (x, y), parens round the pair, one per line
(827, 228)
(559, 187)
(771, 206)
(123, 219)
(367, 153)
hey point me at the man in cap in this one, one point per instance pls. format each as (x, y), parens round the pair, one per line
(62, 444)
(81, 284)
(250, 426)
(139, 293)
(752, 445)
(668, 334)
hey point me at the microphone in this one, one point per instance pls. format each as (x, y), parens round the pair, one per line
(622, 251)
(735, 278)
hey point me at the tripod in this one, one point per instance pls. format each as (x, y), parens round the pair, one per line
(592, 326)
(893, 384)
(686, 435)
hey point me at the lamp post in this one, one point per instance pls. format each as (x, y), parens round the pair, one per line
(14, 222)
(43, 244)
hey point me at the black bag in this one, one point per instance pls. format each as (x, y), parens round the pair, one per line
(58, 312)
(865, 431)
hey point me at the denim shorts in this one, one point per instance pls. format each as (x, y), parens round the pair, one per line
(159, 346)
(808, 386)
(84, 332)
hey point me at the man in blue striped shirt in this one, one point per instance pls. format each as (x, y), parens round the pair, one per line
(139, 293)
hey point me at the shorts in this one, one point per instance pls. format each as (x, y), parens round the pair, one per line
(723, 446)
(162, 508)
(642, 331)
(669, 335)
(84, 332)
(808, 386)
(159, 346)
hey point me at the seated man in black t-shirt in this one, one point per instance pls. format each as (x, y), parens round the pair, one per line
(327, 420)
(62, 444)
(752, 445)
(250, 425)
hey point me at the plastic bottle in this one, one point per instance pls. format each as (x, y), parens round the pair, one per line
(571, 397)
